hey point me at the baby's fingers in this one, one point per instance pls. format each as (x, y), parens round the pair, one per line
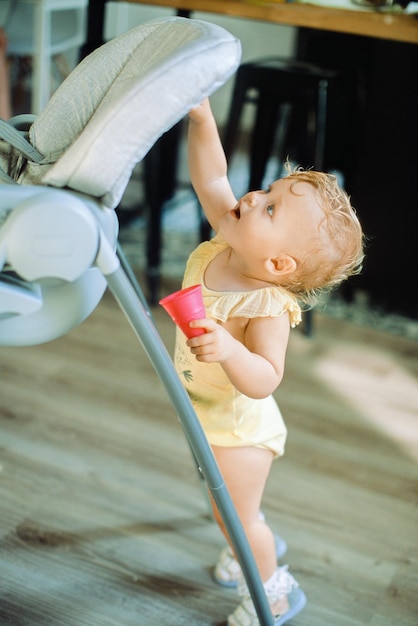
(207, 325)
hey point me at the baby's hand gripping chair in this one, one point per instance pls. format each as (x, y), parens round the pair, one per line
(63, 174)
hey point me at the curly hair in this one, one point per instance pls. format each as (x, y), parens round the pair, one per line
(338, 250)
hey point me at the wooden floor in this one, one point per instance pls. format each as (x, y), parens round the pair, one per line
(102, 517)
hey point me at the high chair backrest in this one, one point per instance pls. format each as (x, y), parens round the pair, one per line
(120, 99)
(102, 120)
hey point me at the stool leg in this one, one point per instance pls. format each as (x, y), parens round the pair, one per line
(285, 115)
(262, 141)
(154, 200)
(321, 123)
(160, 182)
(230, 134)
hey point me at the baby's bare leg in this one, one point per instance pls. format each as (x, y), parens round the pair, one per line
(245, 471)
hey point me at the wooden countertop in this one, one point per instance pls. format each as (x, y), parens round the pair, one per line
(379, 24)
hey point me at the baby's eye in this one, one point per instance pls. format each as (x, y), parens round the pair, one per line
(270, 210)
(267, 190)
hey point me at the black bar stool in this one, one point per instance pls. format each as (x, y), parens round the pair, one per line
(291, 99)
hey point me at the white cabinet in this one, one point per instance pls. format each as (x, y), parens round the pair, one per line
(42, 29)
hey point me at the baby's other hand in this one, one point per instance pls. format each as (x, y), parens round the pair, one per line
(216, 346)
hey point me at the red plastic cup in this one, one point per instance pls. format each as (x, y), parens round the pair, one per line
(184, 306)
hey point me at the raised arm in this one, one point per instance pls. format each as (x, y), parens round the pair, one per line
(207, 164)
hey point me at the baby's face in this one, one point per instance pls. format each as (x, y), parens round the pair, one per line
(283, 219)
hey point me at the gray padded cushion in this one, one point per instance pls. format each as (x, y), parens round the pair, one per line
(119, 100)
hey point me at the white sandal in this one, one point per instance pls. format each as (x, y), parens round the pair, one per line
(227, 571)
(284, 596)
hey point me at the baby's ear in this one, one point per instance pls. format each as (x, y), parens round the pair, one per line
(281, 265)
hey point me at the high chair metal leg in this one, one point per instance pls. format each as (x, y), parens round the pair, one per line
(141, 322)
(138, 290)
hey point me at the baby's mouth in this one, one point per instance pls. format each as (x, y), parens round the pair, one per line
(236, 212)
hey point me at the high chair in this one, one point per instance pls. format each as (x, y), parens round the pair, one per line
(63, 174)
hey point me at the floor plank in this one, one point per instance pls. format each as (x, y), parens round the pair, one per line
(103, 520)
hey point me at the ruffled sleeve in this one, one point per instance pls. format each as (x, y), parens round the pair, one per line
(265, 302)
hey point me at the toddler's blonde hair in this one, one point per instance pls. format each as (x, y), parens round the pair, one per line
(338, 251)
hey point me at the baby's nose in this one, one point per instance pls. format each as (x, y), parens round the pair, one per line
(251, 199)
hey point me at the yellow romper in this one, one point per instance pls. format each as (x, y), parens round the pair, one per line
(228, 417)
